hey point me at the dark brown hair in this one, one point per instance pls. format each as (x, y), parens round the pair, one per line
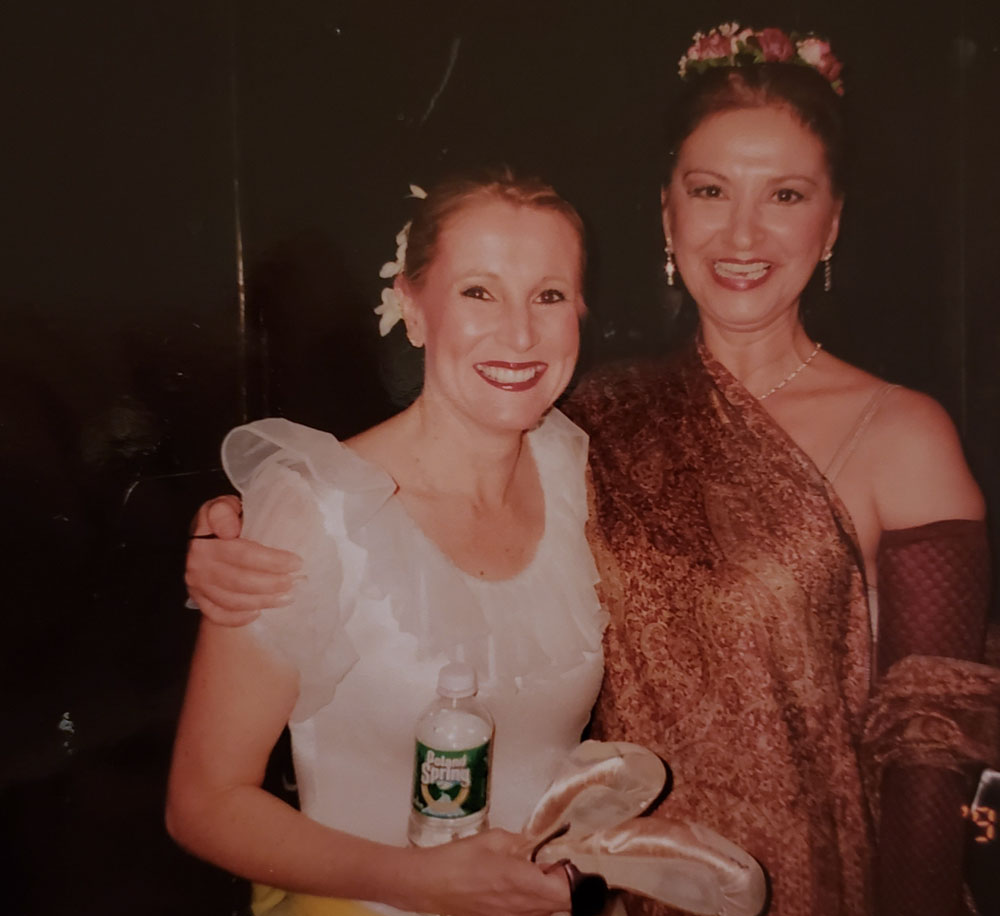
(449, 196)
(800, 89)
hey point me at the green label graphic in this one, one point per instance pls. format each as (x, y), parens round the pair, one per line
(451, 783)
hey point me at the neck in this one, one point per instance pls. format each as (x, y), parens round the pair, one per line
(453, 455)
(761, 358)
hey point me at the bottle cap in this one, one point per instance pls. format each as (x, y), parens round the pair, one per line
(457, 680)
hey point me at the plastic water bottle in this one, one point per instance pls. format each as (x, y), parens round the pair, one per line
(451, 773)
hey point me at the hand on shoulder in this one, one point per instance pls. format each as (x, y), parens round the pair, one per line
(229, 578)
(919, 471)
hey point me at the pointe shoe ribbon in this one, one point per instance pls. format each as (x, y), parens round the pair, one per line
(589, 821)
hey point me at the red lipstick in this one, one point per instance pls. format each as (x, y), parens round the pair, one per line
(511, 376)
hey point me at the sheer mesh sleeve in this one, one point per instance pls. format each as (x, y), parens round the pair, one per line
(934, 718)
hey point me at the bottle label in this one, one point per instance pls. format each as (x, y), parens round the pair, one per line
(450, 784)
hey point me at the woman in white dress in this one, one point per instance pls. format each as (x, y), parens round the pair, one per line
(454, 530)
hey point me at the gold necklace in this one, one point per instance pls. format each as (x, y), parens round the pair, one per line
(791, 375)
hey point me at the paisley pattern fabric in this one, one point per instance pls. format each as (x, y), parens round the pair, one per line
(739, 645)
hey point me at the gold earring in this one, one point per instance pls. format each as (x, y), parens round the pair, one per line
(669, 268)
(827, 271)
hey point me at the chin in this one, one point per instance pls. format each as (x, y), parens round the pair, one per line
(743, 313)
(521, 422)
(517, 418)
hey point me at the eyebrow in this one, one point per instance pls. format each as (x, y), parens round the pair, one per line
(489, 275)
(793, 177)
(691, 172)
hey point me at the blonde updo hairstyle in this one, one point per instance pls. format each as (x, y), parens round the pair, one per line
(450, 196)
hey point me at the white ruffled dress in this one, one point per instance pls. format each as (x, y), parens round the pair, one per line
(382, 609)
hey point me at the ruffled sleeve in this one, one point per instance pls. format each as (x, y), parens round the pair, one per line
(301, 491)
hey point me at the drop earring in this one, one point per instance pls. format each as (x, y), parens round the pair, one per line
(827, 271)
(669, 268)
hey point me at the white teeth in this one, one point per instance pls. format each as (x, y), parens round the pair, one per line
(506, 376)
(752, 271)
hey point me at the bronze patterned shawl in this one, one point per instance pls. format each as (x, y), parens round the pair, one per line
(739, 644)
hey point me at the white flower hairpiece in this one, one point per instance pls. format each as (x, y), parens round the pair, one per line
(391, 309)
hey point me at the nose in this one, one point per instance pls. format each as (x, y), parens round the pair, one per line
(744, 225)
(519, 330)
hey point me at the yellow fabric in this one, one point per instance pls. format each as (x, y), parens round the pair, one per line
(270, 901)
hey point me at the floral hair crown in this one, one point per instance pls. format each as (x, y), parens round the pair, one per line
(728, 45)
(391, 309)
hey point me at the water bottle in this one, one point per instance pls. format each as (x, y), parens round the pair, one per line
(451, 773)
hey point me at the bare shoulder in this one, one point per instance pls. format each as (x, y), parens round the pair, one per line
(383, 443)
(369, 440)
(916, 428)
(918, 467)
(379, 437)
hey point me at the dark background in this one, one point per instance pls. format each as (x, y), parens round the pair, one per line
(145, 143)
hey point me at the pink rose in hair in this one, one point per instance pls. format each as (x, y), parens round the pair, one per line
(692, 53)
(816, 52)
(776, 46)
(713, 45)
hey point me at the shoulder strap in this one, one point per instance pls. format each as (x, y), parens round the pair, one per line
(853, 437)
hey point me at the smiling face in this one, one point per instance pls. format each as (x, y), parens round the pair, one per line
(498, 311)
(749, 212)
